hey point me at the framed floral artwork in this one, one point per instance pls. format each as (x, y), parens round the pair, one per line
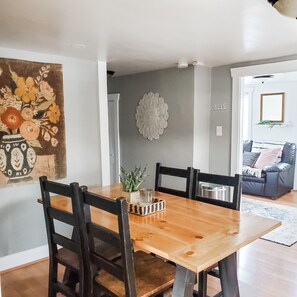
(32, 126)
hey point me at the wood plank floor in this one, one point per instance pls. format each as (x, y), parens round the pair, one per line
(265, 269)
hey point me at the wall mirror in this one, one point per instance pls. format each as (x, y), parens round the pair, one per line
(272, 107)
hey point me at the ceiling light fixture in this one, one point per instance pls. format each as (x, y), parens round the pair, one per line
(264, 77)
(182, 64)
(197, 63)
(285, 7)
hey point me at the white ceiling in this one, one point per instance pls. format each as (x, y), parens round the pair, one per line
(143, 35)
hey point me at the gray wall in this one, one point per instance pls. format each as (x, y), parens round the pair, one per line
(221, 92)
(202, 117)
(175, 146)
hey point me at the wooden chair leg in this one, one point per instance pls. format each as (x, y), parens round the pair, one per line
(52, 278)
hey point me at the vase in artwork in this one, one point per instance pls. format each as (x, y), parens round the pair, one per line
(17, 158)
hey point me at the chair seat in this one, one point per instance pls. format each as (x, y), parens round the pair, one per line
(152, 276)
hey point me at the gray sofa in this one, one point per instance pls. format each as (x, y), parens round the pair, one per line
(275, 180)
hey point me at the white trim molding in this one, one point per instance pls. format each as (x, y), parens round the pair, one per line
(114, 99)
(103, 123)
(237, 75)
(21, 258)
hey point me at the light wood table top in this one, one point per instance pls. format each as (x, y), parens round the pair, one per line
(192, 234)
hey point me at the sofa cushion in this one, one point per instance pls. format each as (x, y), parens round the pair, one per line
(267, 158)
(250, 158)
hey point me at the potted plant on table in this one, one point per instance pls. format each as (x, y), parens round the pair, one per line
(131, 180)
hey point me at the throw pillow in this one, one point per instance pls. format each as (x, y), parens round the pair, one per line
(267, 158)
(250, 158)
(258, 146)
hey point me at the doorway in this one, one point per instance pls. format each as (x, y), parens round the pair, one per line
(238, 76)
(114, 137)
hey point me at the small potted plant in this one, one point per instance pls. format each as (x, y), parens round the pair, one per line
(131, 180)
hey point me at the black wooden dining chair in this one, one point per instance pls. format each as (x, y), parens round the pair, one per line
(135, 273)
(186, 174)
(231, 187)
(71, 254)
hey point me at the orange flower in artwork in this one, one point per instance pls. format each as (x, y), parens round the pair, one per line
(26, 89)
(12, 118)
(54, 113)
(29, 130)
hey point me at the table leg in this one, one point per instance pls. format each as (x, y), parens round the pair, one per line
(184, 282)
(228, 276)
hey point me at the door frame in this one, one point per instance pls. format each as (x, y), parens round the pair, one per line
(237, 75)
(115, 98)
(103, 123)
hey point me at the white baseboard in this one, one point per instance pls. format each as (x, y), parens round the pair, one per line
(22, 258)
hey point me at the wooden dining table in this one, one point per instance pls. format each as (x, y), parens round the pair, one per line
(194, 235)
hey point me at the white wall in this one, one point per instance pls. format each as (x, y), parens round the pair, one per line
(21, 217)
(288, 132)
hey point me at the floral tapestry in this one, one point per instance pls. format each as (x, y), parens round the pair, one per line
(32, 127)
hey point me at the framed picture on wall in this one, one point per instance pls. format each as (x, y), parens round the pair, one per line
(272, 107)
(32, 127)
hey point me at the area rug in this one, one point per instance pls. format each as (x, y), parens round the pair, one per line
(286, 234)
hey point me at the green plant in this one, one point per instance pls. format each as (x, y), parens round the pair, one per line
(132, 180)
(269, 123)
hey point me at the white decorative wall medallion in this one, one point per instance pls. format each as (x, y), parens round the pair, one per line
(151, 116)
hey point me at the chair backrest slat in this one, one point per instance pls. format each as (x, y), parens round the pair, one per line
(124, 272)
(61, 215)
(218, 179)
(175, 172)
(172, 191)
(65, 242)
(108, 266)
(58, 188)
(104, 234)
(230, 181)
(102, 203)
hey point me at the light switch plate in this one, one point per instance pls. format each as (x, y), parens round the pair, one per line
(219, 131)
